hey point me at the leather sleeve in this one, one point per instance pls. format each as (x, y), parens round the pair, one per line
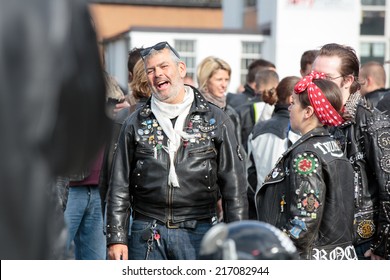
(232, 175)
(307, 200)
(105, 172)
(118, 196)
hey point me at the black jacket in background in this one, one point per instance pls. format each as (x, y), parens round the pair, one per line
(384, 104)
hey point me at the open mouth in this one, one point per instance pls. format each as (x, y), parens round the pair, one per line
(162, 85)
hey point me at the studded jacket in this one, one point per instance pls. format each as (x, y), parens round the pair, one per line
(207, 165)
(365, 141)
(308, 196)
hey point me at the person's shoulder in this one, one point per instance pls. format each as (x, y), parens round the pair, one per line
(369, 115)
(244, 107)
(384, 103)
(230, 110)
(236, 99)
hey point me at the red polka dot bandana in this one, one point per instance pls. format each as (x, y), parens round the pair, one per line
(322, 107)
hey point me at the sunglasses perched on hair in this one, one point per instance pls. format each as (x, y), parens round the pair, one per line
(158, 47)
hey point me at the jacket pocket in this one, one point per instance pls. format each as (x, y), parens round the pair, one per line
(142, 152)
(203, 161)
(207, 153)
(136, 178)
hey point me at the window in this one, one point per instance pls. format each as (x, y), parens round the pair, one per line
(373, 17)
(187, 51)
(250, 3)
(250, 52)
(374, 2)
(373, 23)
(372, 51)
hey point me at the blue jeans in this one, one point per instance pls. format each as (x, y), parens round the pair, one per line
(175, 244)
(83, 216)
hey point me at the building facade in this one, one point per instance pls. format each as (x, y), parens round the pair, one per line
(242, 30)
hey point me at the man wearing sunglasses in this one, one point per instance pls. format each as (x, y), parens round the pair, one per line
(175, 157)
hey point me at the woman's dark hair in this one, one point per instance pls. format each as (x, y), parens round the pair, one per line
(329, 89)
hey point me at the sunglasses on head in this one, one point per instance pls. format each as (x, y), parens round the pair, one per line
(158, 47)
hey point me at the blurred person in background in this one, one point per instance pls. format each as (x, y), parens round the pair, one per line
(249, 91)
(372, 78)
(306, 62)
(270, 139)
(251, 112)
(52, 71)
(83, 214)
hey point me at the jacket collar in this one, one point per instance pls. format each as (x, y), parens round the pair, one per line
(319, 131)
(249, 91)
(281, 109)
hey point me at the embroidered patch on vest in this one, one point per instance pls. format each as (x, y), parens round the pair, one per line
(385, 163)
(384, 140)
(366, 228)
(305, 164)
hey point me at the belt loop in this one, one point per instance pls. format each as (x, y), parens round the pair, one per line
(170, 225)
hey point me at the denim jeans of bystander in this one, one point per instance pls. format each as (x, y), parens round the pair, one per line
(83, 216)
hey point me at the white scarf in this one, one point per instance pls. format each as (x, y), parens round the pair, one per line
(164, 112)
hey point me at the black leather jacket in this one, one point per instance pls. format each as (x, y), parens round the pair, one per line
(308, 196)
(368, 149)
(206, 166)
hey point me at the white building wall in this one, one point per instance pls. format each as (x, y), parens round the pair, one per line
(115, 57)
(300, 25)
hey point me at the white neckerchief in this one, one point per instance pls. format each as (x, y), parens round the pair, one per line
(164, 112)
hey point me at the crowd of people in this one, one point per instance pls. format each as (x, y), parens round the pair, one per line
(306, 155)
(291, 168)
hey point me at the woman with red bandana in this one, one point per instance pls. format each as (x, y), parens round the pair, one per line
(308, 192)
